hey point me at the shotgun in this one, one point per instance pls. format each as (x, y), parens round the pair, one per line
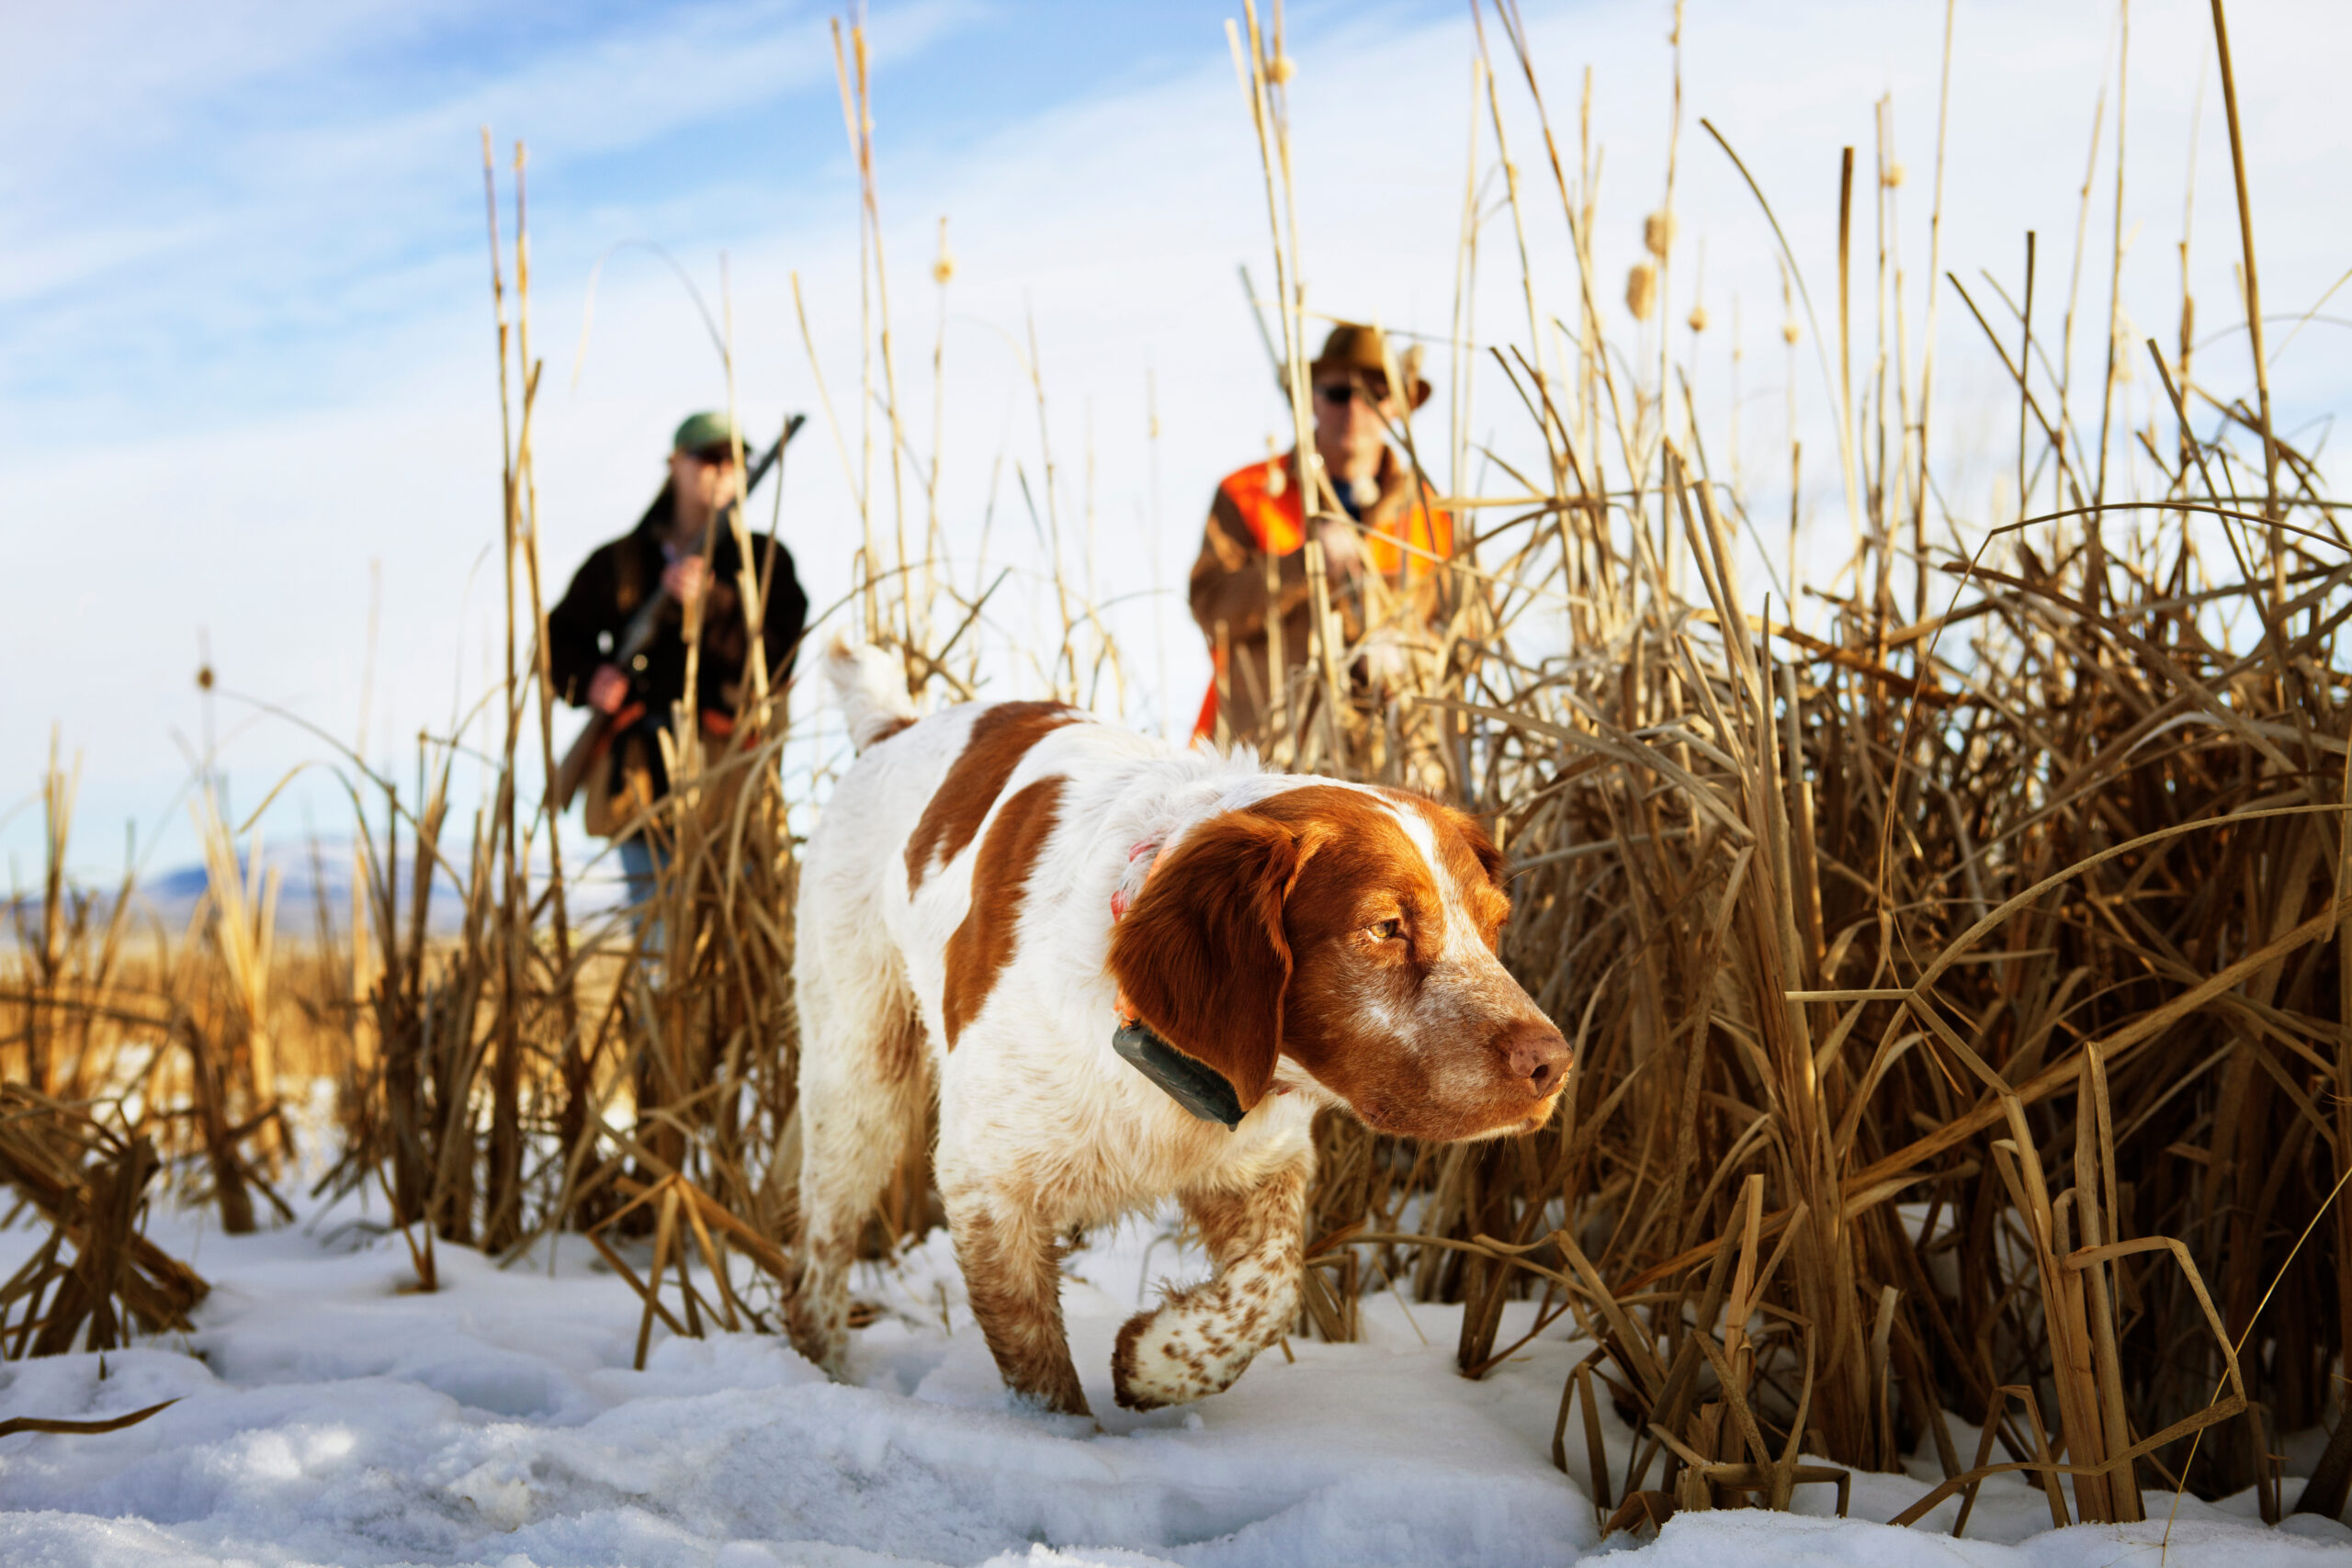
(639, 632)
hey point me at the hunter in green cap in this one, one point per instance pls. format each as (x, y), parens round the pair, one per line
(662, 563)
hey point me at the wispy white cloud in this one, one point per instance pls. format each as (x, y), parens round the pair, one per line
(323, 175)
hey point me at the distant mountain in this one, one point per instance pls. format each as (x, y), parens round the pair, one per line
(309, 878)
(305, 882)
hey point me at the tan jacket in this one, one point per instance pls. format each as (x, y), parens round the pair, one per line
(1257, 511)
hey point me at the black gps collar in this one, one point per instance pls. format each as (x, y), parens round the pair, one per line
(1195, 1086)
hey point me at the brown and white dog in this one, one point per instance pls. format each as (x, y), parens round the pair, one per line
(994, 889)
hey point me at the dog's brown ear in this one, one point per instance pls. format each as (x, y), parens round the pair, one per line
(1490, 859)
(1200, 955)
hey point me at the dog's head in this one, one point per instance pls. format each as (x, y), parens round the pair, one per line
(1353, 932)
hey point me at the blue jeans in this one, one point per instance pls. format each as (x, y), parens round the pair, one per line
(642, 863)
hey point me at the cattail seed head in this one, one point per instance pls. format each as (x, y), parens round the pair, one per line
(1658, 234)
(1894, 175)
(1698, 318)
(943, 269)
(1281, 70)
(1641, 290)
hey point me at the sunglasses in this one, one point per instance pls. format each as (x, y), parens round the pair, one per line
(722, 456)
(1340, 394)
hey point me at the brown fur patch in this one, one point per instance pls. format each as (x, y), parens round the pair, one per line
(895, 727)
(983, 943)
(1000, 737)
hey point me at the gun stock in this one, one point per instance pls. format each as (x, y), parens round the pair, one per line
(584, 751)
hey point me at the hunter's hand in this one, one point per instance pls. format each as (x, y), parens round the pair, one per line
(687, 579)
(1342, 554)
(607, 690)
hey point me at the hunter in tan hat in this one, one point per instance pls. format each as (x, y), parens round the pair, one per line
(1386, 529)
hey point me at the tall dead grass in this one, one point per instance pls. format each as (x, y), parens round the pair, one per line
(1957, 990)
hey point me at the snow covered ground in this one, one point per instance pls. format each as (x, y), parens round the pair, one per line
(327, 1417)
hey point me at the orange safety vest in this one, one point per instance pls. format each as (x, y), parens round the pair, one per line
(1271, 502)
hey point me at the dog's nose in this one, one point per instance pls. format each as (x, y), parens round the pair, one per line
(1535, 1054)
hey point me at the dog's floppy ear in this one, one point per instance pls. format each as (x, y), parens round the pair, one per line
(1200, 955)
(1491, 860)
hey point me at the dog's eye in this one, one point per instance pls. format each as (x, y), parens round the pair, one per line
(1387, 930)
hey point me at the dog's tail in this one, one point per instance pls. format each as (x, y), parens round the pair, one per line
(872, 692)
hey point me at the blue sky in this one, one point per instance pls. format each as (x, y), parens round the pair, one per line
(269, 190)
(246, 365)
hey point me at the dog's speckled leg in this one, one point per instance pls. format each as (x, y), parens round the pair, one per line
(1198, 1340)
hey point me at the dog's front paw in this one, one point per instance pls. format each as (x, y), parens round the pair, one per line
(1134, 1392)
(1171, 1357)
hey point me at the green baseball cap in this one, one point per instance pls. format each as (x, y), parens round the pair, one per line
(703, 430)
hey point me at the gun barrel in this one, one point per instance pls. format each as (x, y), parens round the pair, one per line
(767, 460)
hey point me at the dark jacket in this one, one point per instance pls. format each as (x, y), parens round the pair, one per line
(587, 624)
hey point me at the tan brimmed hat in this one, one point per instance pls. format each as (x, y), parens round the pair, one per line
(1365, 351)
